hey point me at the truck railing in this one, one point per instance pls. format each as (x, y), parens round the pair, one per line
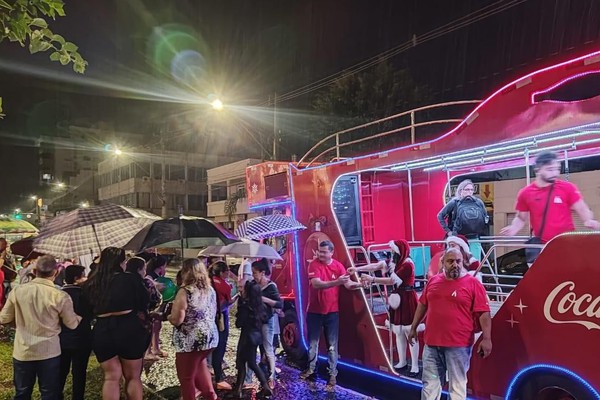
(381, 295)
(340, 136)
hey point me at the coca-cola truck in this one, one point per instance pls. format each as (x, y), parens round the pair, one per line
(546, 317)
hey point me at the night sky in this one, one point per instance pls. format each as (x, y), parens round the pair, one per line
(247, 50)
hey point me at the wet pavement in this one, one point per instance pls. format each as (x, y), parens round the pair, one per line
(161, 376)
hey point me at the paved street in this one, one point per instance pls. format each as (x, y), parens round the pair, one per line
(162, 377)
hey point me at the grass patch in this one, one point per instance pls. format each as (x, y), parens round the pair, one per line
(93, 389)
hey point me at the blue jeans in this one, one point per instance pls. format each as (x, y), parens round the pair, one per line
(439, 360)
(331, 325)
(267, 344)
(47, 373)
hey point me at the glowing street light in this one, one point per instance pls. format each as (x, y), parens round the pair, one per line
(34, 197)
(60, 184)
(217, 104)
(85, 204)
(17, 210)
(118, 152)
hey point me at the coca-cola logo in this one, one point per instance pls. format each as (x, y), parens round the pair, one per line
(564, 306)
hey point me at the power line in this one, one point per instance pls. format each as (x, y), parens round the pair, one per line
(452, 26)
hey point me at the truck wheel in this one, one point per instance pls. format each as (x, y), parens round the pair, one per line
(290, 337)
(553, 387)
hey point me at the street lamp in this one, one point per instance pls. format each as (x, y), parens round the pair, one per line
(118, 152)
(217, 104)
(85, 204)
(34, 197)
(60, 185)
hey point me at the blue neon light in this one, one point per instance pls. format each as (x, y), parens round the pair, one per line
(394, 378)
(553, 368)
(272, 204)
(299, 310)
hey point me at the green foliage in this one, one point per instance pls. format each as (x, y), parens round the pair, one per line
(230, 206)
(25, 22)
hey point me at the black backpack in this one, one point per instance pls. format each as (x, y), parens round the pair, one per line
(469, 217)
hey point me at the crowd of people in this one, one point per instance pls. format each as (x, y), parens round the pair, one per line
(116, 313)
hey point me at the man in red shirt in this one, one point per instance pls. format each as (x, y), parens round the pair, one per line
(326, 275)
(531, 202)
(451, 300)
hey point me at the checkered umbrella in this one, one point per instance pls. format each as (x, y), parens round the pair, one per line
(89, 230)
(268, 226)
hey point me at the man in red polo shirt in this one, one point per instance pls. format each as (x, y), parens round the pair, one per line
(531, 202)
(452, 300)
(326, 275)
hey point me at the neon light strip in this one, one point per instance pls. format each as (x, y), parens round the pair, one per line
(298, 281)
(484, 159)
(519, 378)
(557, 85)
(473, 113)
(272, 204)
(543, 138)
(396, 379)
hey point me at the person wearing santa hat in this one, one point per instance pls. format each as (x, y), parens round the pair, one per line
(403, 300)
(462, 243)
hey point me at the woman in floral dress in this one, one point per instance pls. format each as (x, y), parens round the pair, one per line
(195, 334)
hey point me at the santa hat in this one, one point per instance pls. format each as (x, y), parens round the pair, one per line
(400, 247)
(463, 243)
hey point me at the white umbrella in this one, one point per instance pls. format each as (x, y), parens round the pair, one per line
(245, 248)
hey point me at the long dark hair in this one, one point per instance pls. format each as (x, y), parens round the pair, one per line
(253, 294)
(96, 287)
(262, 265)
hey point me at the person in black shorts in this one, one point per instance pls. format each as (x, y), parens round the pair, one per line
(120, 336)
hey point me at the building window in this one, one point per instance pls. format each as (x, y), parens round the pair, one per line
(142, 169)
(196, 174)
(143, 200)
(218, 192)
(157, 171)
(196, 202)
(176, 172)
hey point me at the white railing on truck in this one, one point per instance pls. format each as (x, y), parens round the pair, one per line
(339, 136)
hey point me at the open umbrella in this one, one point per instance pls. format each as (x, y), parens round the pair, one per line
(24, 248)
(245, 248)
(268, 226)
(183, 231)
(89, 230)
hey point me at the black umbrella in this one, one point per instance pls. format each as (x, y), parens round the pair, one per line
(185, 232)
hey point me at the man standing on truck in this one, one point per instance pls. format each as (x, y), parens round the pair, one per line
(326, 275)
(453, 301)
(550, 196)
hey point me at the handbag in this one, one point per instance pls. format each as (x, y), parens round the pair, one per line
(531, 253)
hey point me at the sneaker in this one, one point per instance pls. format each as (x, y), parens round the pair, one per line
(306, 374)
(331, 383)
(223, 386)
(250, 386)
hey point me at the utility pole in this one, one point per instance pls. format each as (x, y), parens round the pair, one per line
(163, 178)
(275, 133)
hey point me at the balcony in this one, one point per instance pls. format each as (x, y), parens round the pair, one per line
(217, 208)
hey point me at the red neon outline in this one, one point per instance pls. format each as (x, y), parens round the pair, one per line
(461, 124)
(559, 84)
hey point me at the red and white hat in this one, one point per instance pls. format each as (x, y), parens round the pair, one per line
(460, 241)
